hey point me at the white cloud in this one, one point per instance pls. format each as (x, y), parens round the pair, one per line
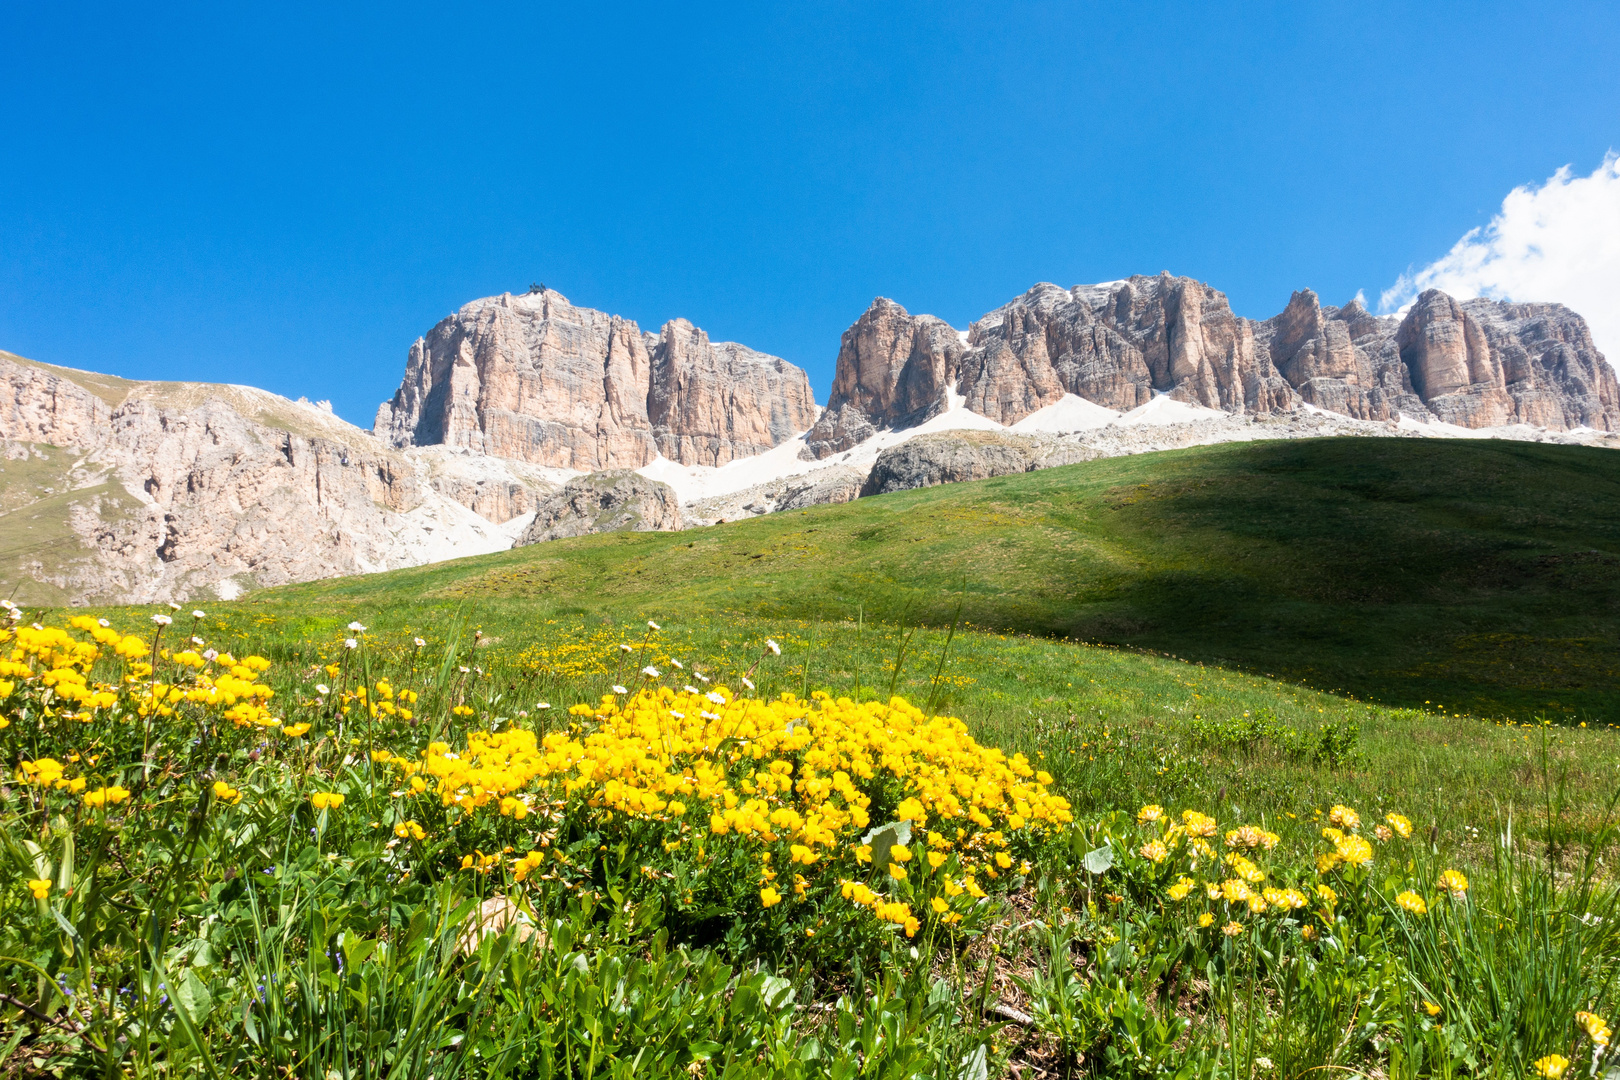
(1557, 242)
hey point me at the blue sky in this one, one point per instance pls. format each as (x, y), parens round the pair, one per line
(288, 196)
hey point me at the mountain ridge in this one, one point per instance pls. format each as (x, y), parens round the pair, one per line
(1477, 363)
(126, 490)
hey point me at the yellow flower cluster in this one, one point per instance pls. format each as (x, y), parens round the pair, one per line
(1551, 1067)
(1251, 836)
(1596, 1028)
(382, 700)
(225, 684)
(47, 773)
(1412, 902)
(105, 796)
(1243, 889)
(1454, 883)
(792, 776)
(890, 911)
(52, 659)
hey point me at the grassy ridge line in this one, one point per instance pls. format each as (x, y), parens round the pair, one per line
(1484, 575)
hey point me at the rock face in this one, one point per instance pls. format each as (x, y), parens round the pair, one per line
(1476, 364)
(825, 485)
(893, 371)
(496, 489)
(952, 456)
(122, 491)
(1344, 360)
(1114, 344)
(536, 379)
(1481, 363)
(615, 500)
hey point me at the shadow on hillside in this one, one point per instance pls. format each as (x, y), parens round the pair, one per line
(1479, 575)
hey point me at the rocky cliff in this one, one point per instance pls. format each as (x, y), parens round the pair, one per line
(534, 378)
(951, 457)
(120, 491)
(1481, 363)
(615, 500)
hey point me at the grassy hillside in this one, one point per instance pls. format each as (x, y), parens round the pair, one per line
(1483, 576)
(382, 779)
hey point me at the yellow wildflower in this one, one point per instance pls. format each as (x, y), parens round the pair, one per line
(1552, 1067)
(1201, 825)
(1354, 850)
(1596, 1028)
(1412, 902)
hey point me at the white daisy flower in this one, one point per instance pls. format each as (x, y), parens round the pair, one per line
(746, 682)
(650, 671)
(776, 650)
(350, 643)
(653, 626)
(357, 628)
(677, 715)
(716, 698)
(617, 689)
(197, 615)
(162, 620)
(677, 664)
(322, 689)
(707, 715)
(420, 642)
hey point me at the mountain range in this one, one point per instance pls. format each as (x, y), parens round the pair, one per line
(119, 490)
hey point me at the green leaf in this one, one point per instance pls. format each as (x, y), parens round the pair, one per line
(885, 837)
(1099, 860)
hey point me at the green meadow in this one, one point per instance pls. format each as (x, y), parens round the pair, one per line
(1371, 662)
(1481, 576)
